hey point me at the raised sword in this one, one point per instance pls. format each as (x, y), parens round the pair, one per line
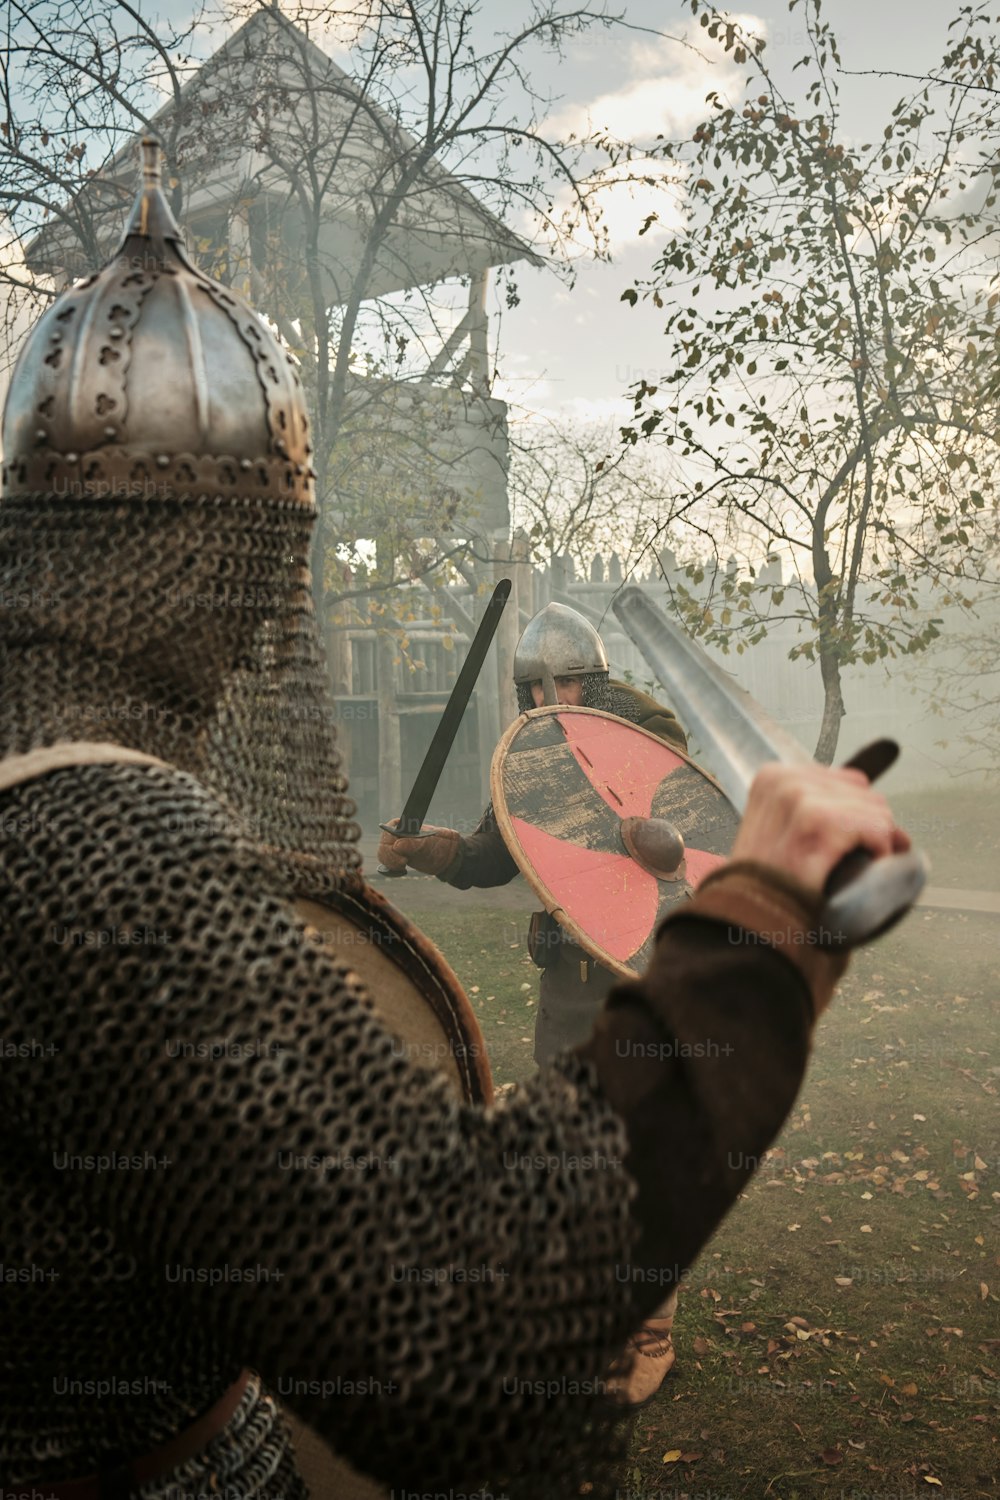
(426, 780)
(864, 896)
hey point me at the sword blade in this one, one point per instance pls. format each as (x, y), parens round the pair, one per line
(427, 778)
(731, 727)
(864, 896)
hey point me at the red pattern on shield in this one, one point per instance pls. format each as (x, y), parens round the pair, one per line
(626, 786)
(608, 895)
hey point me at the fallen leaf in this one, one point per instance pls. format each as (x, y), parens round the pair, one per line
(832, 1456)
(690, 1458)
(909, 1390)
(929, 1479)
(984, 1290)
(700, 1346)
(866, 1229)
(672, 1456)
(844, 1280)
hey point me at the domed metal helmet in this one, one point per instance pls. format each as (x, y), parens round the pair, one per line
(150, 380)
(155, 519)
(558, 640)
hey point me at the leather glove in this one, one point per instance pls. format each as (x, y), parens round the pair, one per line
(430, 855)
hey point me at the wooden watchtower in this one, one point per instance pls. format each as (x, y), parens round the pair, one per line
(284, 162)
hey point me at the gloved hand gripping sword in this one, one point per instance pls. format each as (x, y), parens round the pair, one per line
(864, 896)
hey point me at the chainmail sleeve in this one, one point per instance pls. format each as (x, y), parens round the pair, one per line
(432, 1287)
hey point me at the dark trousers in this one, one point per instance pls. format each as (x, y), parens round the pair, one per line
(573, 991)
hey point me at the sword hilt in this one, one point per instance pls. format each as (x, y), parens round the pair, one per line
(866, 896)
(400, 831)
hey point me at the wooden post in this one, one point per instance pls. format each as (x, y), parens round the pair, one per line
(487, 699)
(239, 249)
(341, 669)
(557, 574)
(524, 575)
(390, 769)
(479, 357)
(507, 634)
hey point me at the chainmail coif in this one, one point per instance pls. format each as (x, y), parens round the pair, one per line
(598, 692)
(121, 621)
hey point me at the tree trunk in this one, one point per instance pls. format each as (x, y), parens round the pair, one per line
(833, 710)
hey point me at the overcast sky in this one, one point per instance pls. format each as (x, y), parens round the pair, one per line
(573, 352)
(576, 351)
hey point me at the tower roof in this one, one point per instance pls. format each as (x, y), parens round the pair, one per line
(241, 138)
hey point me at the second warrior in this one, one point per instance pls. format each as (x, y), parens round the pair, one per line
(557, 644)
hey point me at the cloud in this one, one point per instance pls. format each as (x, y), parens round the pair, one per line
(664, 96)
(597, 411)
(666, 92)
(638, 202)
(523, 386)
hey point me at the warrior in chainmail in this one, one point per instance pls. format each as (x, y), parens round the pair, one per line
(558, 650)
(220, 1182)
(560, 646)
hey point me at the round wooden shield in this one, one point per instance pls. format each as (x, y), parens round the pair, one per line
(413, 988)
(573, 792)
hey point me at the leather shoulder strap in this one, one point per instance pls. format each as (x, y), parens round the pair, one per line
(17, 768)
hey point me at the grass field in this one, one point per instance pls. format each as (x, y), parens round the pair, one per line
(840, 1336)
